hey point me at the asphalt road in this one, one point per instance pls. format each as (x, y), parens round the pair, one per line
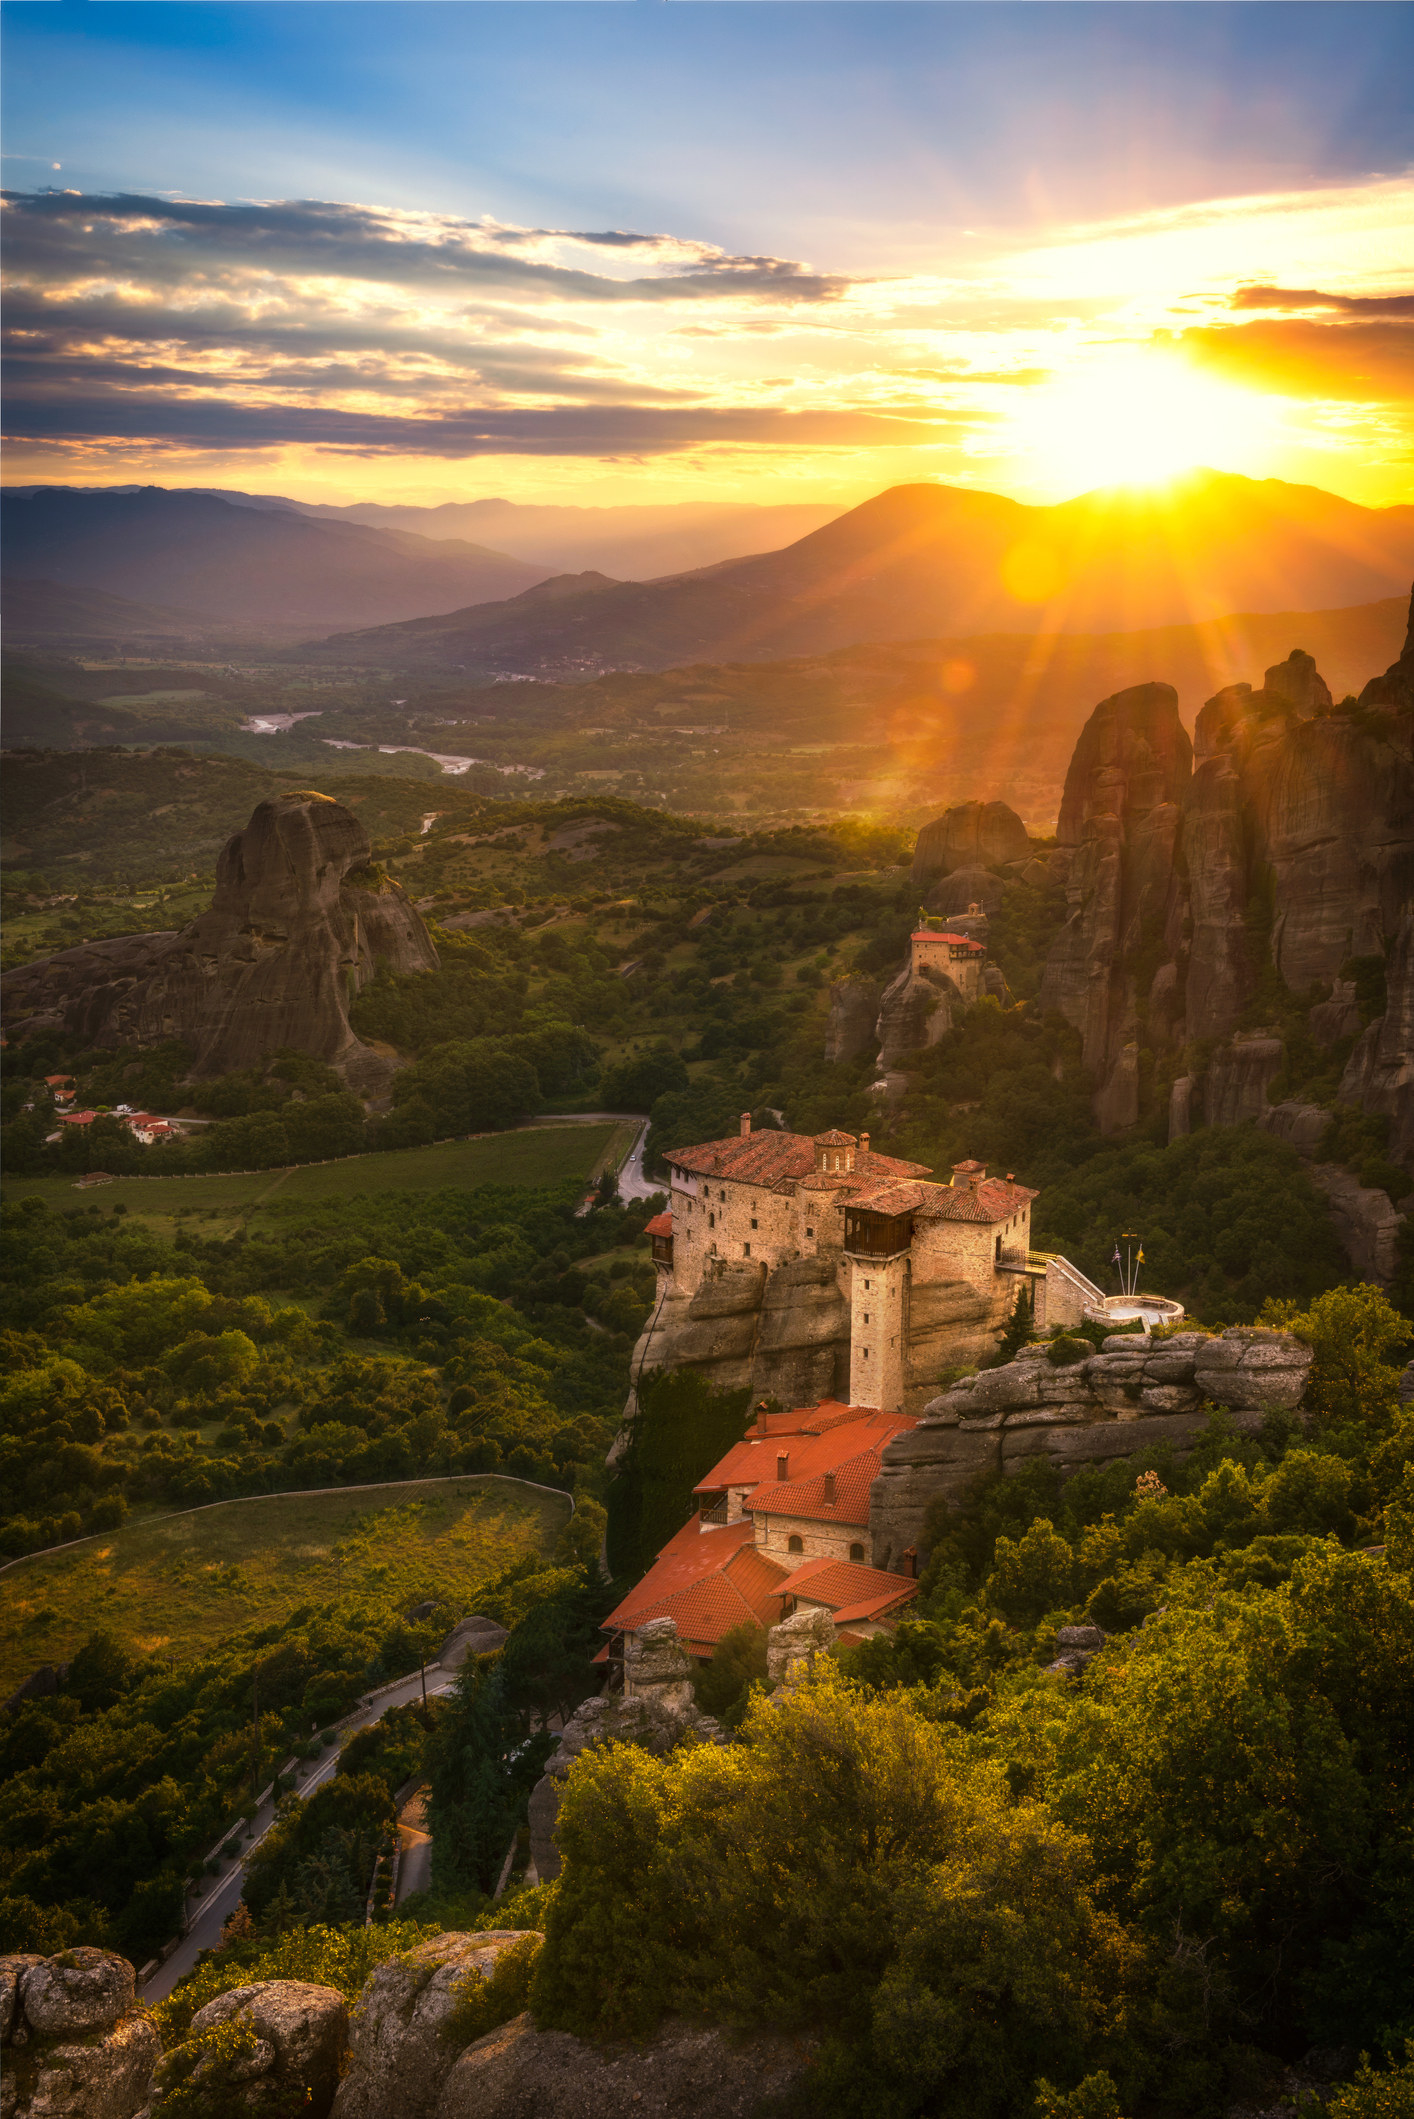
(220, 1902)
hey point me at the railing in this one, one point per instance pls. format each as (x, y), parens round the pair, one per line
(717, 1513)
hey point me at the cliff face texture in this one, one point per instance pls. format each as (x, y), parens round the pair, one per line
(299, 923)
(1285, 840)
(1138, 1391)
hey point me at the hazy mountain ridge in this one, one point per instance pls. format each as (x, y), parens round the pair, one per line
(922, 559)
(218, 562)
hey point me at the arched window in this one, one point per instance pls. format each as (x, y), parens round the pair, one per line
(795, 1543)
(856, 1552)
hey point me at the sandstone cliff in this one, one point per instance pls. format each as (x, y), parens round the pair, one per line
(1284, 843)
(974, 835)
(1137, 1392)
(298, 924)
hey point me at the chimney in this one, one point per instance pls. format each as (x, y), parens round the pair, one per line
(829, 1486)
(864, 1143)
(783, 1466)
(745, 1124)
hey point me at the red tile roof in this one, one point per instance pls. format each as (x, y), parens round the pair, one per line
(817, 1440)
(994, 1199)
(931, 934)
(660, 1225)
(849, 1590)
(708, 1581)
(806, 1495)
(784, 1158)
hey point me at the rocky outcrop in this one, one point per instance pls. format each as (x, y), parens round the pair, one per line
(399, 2054)
(519, 2072)
(782, 1333)
(299, 923)
(1291, 844)
(1076, 1648)
(73, 2043)
(301, 2036)
(854, 1010)
(955, 894)
(1120, 818)
(969, 835)
(656, 1711)
(1139, 1391)
(794, 1646)
(917, 1009)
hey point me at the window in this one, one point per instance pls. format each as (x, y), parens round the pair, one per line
(795, 1543)
(866, 1287)
(711, 1221)
(856, 1552)
(810, 1232)
(721, 1195)
(753, 1221)
(866, 1353)
(866, 1317)
(746, 1250)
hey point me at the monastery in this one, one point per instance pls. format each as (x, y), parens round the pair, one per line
(811, 1268)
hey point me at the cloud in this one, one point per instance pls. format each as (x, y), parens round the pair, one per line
(1361, 361)
(158, 416)
(64, 235)
(1383, 305)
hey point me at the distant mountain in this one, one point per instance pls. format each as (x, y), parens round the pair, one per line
(632, 544)
(924, 560)
(244, 565)
(50, 614)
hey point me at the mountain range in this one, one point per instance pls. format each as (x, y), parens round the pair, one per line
(200, 558)
(928, 559)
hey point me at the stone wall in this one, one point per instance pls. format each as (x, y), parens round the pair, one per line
(1138, 1392)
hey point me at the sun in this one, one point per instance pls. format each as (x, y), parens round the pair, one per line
(1137, 416)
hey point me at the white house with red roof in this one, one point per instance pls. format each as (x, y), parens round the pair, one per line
(783, 1519)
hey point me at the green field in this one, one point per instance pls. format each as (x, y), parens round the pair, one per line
(533, 1155)
(181, 1583)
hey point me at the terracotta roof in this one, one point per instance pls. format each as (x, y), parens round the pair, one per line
(931, 934)
(780, 1158)
(994, 1199)
(834, 1139)
(708, 1581)
(818, 1439)
(893, 1199)
(847, 1589)
(660, 1225)
(806, 1495)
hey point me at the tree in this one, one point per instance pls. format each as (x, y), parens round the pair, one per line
(1034, 1576)
(1352, 1331)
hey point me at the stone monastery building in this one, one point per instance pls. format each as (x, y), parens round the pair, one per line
(911, 1275)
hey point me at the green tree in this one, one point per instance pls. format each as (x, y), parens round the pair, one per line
(1352, 1331)
(1032, 1576)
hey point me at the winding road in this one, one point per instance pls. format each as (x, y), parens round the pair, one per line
(209, 1917)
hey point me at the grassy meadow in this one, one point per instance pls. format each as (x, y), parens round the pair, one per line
(181, 1583)
(225, 1203)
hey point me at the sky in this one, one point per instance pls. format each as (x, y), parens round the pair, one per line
(608, 251)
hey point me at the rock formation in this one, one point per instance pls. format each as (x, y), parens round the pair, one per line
(73, 2044)
(301, 2036)
(969, 835)
(1120, 817)
(299, 923)
(521, 2073)
(656, 1711)
(399, 2054)
(1289, 843)
(1137, 1392)
(916, 1009)
(854, 1010)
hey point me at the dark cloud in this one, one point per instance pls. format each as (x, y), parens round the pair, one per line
(153, 416)
(1373, 361)
(1390, 305)
(53, 235)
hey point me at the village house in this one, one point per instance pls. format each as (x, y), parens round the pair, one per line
(782, 1521)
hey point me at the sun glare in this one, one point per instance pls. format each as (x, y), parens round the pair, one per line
(1137, 418)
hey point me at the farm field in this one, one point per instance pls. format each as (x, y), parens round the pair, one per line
(180, 1583)
(532, 1155)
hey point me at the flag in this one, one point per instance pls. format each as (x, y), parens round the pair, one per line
(1115, 1260)
(1139, 1260)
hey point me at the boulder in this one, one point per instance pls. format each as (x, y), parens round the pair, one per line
(519, 2072)
(78, 1991)
(398, 2055)
(302, 2034)
(1075, 1647)
(75, 2045)
(793, 1645)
